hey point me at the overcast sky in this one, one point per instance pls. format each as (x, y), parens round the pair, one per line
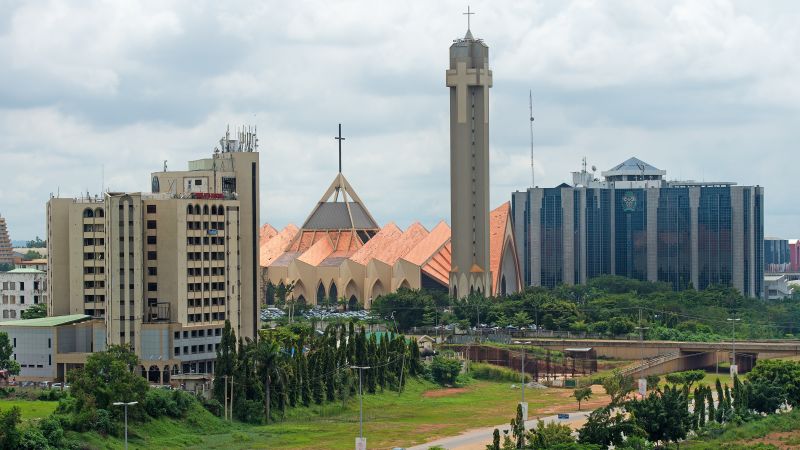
(706, 90)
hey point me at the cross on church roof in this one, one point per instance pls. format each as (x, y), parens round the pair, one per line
(340, 139)
(468, 13)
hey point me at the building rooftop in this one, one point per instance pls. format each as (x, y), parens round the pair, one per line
(634, 166)
(53, 321)
(25, 270)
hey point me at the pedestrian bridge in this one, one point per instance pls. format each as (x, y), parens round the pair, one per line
(672, 356)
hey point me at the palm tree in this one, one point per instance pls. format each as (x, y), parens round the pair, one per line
(269, 367)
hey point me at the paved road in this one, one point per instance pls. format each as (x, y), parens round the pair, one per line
(478, 438)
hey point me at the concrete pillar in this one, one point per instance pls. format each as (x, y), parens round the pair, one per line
(737, 238)
(652, 233)
(535, 214)
(567, 237)
(694, 204)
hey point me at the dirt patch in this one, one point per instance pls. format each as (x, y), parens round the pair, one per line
(431, 428)
(779, 439)
(599, 399)
(436, 393)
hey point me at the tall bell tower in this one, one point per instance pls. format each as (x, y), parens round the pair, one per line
(469, 80)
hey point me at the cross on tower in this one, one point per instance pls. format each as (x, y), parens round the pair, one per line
(340, 139)
(468, 13)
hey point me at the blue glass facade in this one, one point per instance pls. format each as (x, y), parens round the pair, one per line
(552, 255)
(687, 235)
(714, 237)
(630, 233)
(674, 238)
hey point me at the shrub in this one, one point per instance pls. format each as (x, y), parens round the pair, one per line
(496, 373)
(249, 411)
(160, 402)
(52, 431)
(445, 370)
(102, 422)
(214, 407)
(32, 439)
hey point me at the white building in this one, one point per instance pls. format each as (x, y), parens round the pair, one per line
(47, 348)
(19, 289)
(777, 286)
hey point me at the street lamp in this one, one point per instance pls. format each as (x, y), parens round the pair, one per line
(734, 367)
(361, 443)
(125, 405)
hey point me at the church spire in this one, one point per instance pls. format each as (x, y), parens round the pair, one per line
(469, 28)
(340, 139)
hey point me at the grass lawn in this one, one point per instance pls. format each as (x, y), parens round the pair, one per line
(30, 409)
(422, 413)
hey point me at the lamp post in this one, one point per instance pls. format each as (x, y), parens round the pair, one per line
(361, 443)
(734, 367)
(125, 405)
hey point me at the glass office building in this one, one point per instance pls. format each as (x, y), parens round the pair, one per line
(636, 224)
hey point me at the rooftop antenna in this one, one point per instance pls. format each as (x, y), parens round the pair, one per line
(530, 110)
(165, 165)
(584, 164)
(102, 178)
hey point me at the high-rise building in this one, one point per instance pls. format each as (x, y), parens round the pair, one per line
(636, 224)
(165, 269)
(777, 257)
(6, 249)
(469, 80)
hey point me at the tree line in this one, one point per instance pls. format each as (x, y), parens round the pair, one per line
(668, 414)
(607, 305)
(296, 366)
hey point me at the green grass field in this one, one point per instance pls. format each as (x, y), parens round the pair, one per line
(422, 413)
(30, 409)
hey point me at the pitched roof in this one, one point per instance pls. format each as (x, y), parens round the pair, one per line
(24, 270)
(53, 321)
(498, 223)
(340, 208)
(399, 248)
(265, 233)
(427, 247)
(317, 253)
(438, 267)
(273, 248)
(377, 244)
(633, 164)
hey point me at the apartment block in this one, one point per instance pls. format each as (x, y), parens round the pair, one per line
(164, 269)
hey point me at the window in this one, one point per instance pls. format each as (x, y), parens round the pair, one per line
(151, 209)
(152, 271)
(152, 256)
(21, 299)
(177, 351)
(49, 343)
(152, 287)
(151, 224)
(198, 182)
(151, 239)
(177, 335)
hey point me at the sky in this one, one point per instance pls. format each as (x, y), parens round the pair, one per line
(98, 94)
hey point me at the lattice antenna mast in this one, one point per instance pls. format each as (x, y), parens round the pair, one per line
(530, 110)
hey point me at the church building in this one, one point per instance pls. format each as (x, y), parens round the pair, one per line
(340, 251)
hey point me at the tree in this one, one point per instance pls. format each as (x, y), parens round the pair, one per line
(618, 386)
(652, 381)
(546, 436)
(495, 445)
(269, 368)
(518, 428)
(5, 267)
(784, 374)
(621, 325)
(601, 428)
(663, 415)
(225, 364)
(6, 350)
(521, 319)
(9, 435)
(445, 370)
(687, 378)
(31, 255)
(108, 377)
(35, 311)
(582, 394)
(36, 243)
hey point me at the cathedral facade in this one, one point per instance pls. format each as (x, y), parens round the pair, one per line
(341, 253)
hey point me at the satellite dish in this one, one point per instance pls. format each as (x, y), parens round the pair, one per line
(594, 168)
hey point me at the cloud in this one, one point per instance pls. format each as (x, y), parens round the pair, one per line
(704, 90)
